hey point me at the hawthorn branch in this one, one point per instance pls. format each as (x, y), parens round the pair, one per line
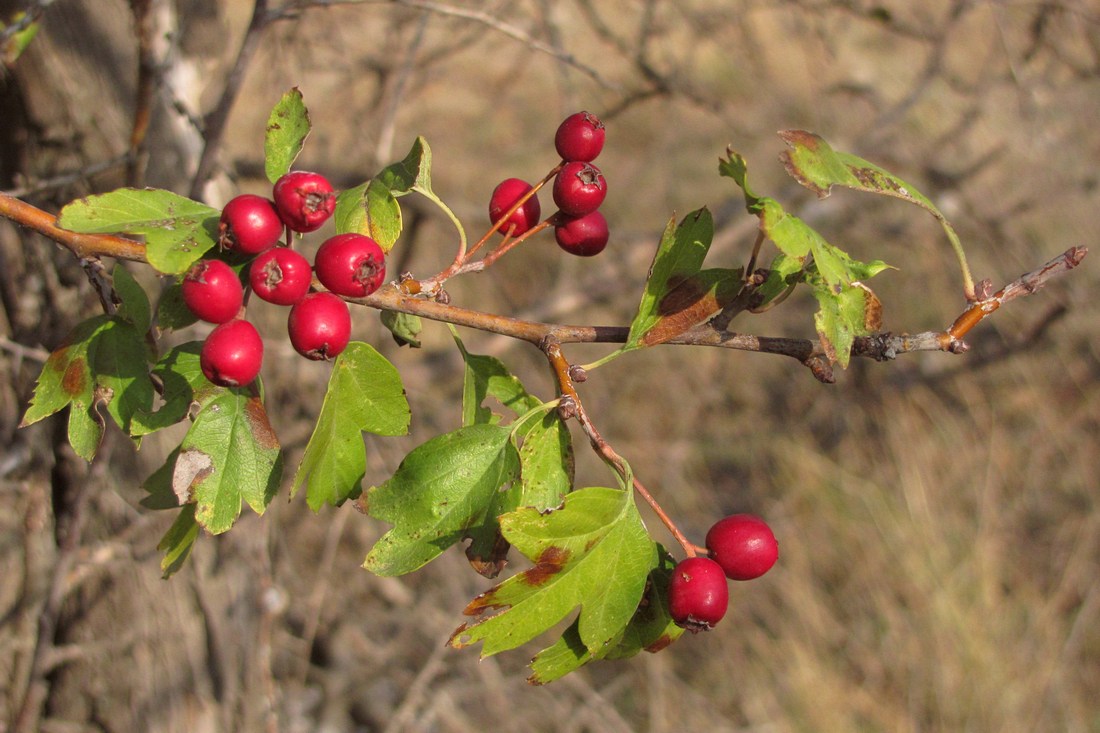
(880, 347)
(83, 246)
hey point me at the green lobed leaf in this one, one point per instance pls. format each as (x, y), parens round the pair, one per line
(487, 376)
(679, 256)
(414, 174)
(172, 312)
(102, 362)
(183, 383)
(593, 553)
(650, 629)
(178, 541)
(841, 316)
(229, 455)
(816, 165)
(370, 209)
(546, 463)
(411, 173)
(135, 306)
(66, 375)
(177, 230)
(441, 489)
(118, 359)
(364, 394)
(404, 327)
(288, 126)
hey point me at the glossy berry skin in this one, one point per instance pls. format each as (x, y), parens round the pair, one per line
(350, 264)
(249, 224)
(280, 276)
(579, 188)
(304, 200)
(505, 195)
(319, 326)
(232, 354)
(582, 235)
(698, 594)
(580, 137)
(212, 291)
(743, 545)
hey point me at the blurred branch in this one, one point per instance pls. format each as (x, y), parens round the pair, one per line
(215, 121)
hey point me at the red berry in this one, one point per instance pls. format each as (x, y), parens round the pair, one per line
(698, 594)
(579, 137)
(350, 264)
(582, 235)
(319, 326)
(505, 195)
(304, 200)
(249, 224)
(281, 276)
(232, 354)
(579, 188)
(743, 544)
(212, 291)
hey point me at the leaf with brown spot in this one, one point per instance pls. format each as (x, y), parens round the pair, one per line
(691, 301)
(593, 553)
(679, 256)
(651, 629)
(233, 457)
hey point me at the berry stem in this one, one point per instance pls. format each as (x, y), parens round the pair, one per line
(570, 404)
(461, 263)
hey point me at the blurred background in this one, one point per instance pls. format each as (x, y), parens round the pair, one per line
(937, 515)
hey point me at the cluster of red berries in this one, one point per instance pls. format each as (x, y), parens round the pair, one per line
(739, 547)
(579, 189)
(319, 324)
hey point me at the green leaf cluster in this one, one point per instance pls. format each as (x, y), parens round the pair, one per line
(846, 307)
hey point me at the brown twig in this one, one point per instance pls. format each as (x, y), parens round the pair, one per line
(82, 245)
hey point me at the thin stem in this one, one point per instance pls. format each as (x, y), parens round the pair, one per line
(570, 405)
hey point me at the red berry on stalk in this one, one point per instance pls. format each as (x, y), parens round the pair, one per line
(232, 354)
(249, 224)
(743, 544)
(579, 188)
(580, 137)
(350, 264)
(505, 195)
(212, 291)
(582, 235)
(319, 326)
(304, 200)
(280, 276)
(698, 594)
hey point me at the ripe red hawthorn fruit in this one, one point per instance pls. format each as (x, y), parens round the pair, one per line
(249, 224)
(582, 235)
(743, 545)
(232, 354)
(212, 291)
(319, 326)
(304, 200)
(579, 188)
(698, 594)
(505, 195)
(580, 136)
(280, 276)
(350, 264)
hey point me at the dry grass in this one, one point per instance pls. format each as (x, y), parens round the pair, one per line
(938, 518)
